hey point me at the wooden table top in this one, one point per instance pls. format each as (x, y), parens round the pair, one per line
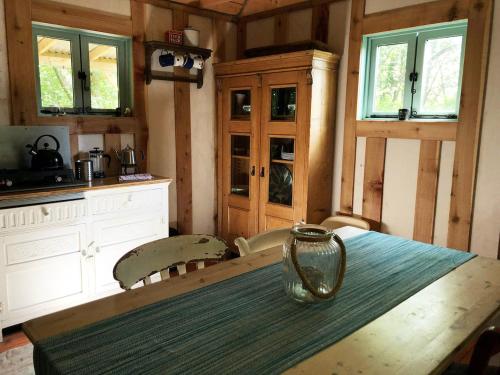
(96, 184)
(419, 336)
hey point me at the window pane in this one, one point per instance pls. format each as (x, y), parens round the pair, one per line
(440, 75)
(390, 76)
(240, 105)
(240, 164)
(104, 92)
(283, 104)
(56, 76)
(282, 155)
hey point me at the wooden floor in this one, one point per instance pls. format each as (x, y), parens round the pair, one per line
(13, 337)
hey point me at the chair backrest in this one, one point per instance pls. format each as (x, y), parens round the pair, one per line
(334, 222)
(262, 241)
(161, 255)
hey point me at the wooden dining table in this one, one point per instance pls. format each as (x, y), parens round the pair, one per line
(421, 335)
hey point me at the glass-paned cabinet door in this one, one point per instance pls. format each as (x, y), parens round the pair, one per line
(240, 164)
(283, 103)
(281, 174)
(241, 105)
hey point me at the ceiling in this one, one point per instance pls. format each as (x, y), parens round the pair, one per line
(241, 7)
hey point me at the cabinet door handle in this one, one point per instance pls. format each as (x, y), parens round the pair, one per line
(262, 172)
(252, 172)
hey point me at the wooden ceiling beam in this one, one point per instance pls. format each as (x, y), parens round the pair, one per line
(286, 9)
(172, 5)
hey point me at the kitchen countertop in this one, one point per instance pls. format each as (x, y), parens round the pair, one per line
(96, 184)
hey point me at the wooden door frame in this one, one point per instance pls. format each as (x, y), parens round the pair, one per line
(465, 132)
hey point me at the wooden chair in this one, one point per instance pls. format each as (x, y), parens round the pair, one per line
(261, 241)
(334, 222)
(161, 255)
(486, 347)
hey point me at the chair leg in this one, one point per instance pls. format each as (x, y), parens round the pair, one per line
(181, 268)
(165, 274)
(147, 280)
(200, 265)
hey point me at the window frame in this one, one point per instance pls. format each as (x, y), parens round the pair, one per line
(415, 38)
(80, 63)
(62, 34)
(372, 44)
(423, 37)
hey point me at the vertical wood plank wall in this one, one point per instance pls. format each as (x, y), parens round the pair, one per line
(182, 104)
(465, 132)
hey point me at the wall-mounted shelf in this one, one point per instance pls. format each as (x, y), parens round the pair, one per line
(152, 46)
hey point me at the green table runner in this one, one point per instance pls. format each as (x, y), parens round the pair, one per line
(246, 324)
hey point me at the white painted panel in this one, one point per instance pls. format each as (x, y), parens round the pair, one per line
(87, 142)
(121, 7)
(130, 229)
(339, 120)
(338, 20)
(203, 135)
(128, 139)
(161, 114)
(359, 173)
(37, 246)
(443, 193)
(373, 6)
(486, 222)
(231, 41)
(400, 187)
(299, 25)
(43, 281)
(260, 33)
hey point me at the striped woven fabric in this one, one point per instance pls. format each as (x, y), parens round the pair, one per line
(246, 324)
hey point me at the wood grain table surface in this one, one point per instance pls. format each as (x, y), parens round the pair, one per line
(419, 336)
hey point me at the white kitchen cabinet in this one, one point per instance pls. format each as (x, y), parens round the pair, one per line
(57, 255)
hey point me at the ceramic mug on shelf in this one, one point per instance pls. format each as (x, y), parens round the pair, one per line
(167, 59)
(198, 62)
(179, 60)
(188, 62)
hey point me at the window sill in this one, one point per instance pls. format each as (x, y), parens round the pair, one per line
(415, 120)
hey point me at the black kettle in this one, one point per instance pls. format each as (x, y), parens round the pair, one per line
(45, 158)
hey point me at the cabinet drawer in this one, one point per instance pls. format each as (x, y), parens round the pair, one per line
(51, 213)
(124, 201)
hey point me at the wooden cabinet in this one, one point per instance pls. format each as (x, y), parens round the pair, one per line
(276, 122)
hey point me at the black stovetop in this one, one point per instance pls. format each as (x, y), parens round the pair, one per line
(15, 180)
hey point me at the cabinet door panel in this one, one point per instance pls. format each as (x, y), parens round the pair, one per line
(42, 271)
(114, 238)
(240, 112)
(284, 139)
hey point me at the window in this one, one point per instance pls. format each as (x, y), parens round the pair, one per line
(416, 70)
(81, 73)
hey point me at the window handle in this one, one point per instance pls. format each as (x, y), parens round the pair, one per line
(252, 172)
(262, 172)
(414, 76)
(82, 76)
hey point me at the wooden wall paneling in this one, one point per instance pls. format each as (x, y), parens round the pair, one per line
(349, 147)
(140, 110)
(80, 17)
(21, 63)
(279, 10)
(440, 131)
(172, 5)
(428, 13)
(319, 24)
(471, 110)
(280, 28)
(427, 183)
(182, 105)
(373, 185)
(241, 39)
